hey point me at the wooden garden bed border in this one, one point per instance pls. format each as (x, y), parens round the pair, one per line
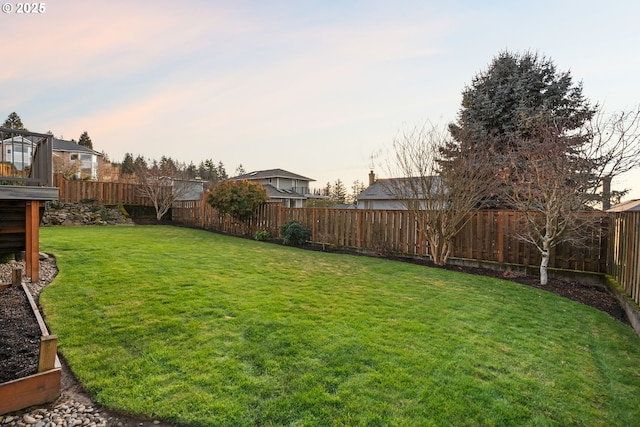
(40, 388)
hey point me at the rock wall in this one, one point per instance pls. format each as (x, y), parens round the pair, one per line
(59, 213)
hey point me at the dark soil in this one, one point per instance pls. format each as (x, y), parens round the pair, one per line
(19, 336)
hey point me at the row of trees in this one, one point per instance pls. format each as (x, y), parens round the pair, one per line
(525, 138)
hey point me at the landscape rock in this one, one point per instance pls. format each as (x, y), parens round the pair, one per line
(73, 214)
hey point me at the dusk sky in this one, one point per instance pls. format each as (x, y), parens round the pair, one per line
(313, 87)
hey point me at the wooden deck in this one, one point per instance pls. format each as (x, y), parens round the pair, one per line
(25, 184)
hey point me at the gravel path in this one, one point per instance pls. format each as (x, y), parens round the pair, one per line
(74, 406)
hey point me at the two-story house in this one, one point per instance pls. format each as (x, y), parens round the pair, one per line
(69, 158)
(75, 160)
(282, 186)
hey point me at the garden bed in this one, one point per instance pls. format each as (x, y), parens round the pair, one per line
(30, 371)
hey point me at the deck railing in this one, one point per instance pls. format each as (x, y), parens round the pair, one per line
(26, 158)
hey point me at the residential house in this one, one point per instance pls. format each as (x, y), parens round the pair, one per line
(285, 187)
(69, 158)
(187, 189)
(628, 206)
(389, 193)
(75, 160)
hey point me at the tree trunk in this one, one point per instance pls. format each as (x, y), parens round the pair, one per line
(543, 268)
(544, 262)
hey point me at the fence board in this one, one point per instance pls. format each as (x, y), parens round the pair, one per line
(624, 250)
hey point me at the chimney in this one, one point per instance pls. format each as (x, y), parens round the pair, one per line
(372, 178)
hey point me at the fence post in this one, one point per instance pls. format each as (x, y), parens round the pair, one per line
(500, 237)
(48, 349)
(16, 277)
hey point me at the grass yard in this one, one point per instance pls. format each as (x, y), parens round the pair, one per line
(207, 330)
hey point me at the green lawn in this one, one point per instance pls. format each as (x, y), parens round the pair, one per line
(207, 330)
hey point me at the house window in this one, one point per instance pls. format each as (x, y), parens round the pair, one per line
(74, 157)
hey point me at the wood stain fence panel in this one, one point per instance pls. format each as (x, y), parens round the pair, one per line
(105, 193)
(624, 252)
(487, 235)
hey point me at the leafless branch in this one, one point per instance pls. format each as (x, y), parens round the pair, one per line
(440, 198)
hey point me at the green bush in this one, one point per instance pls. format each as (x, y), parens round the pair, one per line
(293, 233)
(261, 235)
(5, 258)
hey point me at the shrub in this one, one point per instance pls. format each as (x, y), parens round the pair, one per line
(293, 233)
(261, 235)
(241, 199)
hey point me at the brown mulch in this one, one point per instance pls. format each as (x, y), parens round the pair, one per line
(19, 335)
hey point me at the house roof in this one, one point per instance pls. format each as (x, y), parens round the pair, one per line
(388, 189)
(272, 173)
(71, 146)
(278, 193)
(630, 205)
(57, 145)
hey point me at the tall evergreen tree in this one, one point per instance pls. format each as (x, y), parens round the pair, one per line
(222, 173)
(513, 96)
(338, 192)
(85, 140)
(13, 121)
(508, 102)
(127, 166)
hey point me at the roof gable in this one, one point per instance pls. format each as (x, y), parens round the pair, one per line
(71, 146)
(272, 173)
(629, 205)
(391, 189)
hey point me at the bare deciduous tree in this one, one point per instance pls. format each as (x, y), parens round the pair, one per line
(549, 178)
(66, 167)
(615, 144)
(162, 185)
(441, 199)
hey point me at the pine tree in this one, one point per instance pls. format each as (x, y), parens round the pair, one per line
(127, 166)
(85, 140)
(338, 192)
(14, 122)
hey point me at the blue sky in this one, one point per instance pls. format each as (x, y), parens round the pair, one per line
(314, 87)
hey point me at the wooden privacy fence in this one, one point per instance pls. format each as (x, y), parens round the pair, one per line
(487, 236)
(105, 193)
(624, 252)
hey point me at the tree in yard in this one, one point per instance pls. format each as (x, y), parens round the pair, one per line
(514, 95)
(554, 176)
(338, 192)
(222, 173)
(440, 200)
(85, 140)
(356, 188)
(550, 180)
(615, 143)
(238, 198)
(66, 167)
(13, 121)
(162, 183)
(326, 191)
(127, 167)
